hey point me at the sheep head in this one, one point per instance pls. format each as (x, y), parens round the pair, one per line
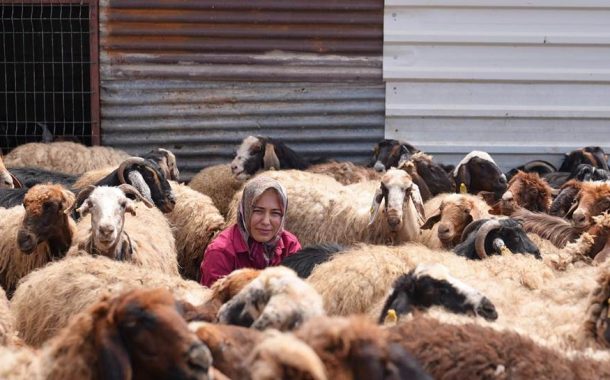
(108, 206)
(592, 155)
(526, 190)
(430, 285)
(391, 153)
(142, 335)
(593, 199)
(455, 212)
(149, 179)
(166, 161)
(479, 172)
(47, 219)
(398, 191)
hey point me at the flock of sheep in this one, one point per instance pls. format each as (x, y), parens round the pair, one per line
(410, 269)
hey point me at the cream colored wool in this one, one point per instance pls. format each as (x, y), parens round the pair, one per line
(151, 238)
(345, 172)
(92, 177)
(14, 264)
(195, 221)
(321, 210)
(7, 321)
(65, 157)
(218, 183)
(45, 300)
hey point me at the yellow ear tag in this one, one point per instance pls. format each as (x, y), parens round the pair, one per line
(463, 189)
(391, 317)
(505, 251)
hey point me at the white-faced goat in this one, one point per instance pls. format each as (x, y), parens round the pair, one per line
(486, 237)
(432, 285)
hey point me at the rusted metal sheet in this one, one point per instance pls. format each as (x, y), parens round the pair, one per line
(197, 76)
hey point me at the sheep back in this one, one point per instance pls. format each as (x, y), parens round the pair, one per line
(46, 299)
(346, 172)
(218, 183)
(92, 177)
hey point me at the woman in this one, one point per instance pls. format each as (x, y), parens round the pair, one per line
(258, 239)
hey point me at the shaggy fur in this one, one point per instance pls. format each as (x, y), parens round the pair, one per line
(45, 300)
(7, 181)
(563, 201)
(593, 199)
(218, 183)
(526, 190)
(65, 157)
(277, 298)
(321, 210)
(109, 338)
(195, 221)
(149, 234)
(557, 230)
(475, 352)
(60, 227)
(345, 173)
(29, 177)
(307, 258)
(450, 213)
(8, 334)
(596, 326)
(354, 348)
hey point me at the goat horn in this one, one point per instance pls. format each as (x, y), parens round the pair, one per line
(81, 196)
(128, 189)
(125, 164)
(479, 242)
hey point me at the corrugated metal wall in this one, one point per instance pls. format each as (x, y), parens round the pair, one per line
(197, 76)
(521, 79)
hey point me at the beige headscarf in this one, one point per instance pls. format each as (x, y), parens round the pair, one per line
(252, 191)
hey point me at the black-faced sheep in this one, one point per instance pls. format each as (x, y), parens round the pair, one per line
(65, 157)
(486, 237)
(218, 183)
(140, 334)
(277, 298)
(429, 285)
(475, 352)
(48, 298)
(322, 210)
(479, 172)
(592, 155)
(36, 233)
(308, 257)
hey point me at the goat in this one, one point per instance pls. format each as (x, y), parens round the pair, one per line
(140, 334)
(277, 298)
(391, 153)
(322, 210)
(486, 237)
(166, 161)
(479, 172)
(525, 190)
(429, 285)
(448, 215)
(33, 234)
(305, 260)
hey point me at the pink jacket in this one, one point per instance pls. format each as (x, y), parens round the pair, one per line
(228, 252)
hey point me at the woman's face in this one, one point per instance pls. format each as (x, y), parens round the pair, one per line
(266, 217)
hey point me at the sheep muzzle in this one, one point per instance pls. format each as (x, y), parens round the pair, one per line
(487, 310)
(27, 242)
(394, 219)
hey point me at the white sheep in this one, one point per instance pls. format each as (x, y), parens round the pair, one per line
(218, 183)
(46, 299)
(33, 234)
(277, 298)
(321, 210)
(65, 157)
(143, 237)
(8, 334)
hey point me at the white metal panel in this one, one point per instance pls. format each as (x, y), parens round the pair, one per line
(521, 79)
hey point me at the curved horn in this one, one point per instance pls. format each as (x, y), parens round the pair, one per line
(479, 242)
(130, 190)
(16, 183)
(80, 197)
(125, 164)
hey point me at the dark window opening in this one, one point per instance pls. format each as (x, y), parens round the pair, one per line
(45, 77)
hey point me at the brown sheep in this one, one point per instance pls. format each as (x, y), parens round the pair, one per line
(471, 351)
(597, 322)
(33, 234)
(218, 183)
(564, 199)
(526, 190)
(592, 199)
(140, 334)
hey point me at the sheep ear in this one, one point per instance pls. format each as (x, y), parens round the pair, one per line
(270, 159)
(463, 177)
(418, 203)
(84, 208)
(113, 359)
(432, 220)
(68, 201)
(377, 199)
(16, 183)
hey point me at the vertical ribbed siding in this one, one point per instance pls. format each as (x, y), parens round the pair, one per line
(198, 76)
(520, 79)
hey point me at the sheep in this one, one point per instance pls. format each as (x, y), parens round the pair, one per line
(537, 166)
(65, 157)
(592, 199)
(242, 353)
(429, 285)
(433, 174)
(144, 175)
(33, 234)
(358, 279)
(355, 348)
(195, 221)
(486, 237)
(470, 351)
(144, 238)
(48, 298)
(391, 153)
(277, 298)
(479, 172)
(596, 325)
(448, 215)
(218, 183)
(590, 155)
(8, 334)
(346, 172)
(166, 161)
(139, 335)
(557, 230)
(564, 198)
(525, 190)
(308, 257)
(8, 179)
(322, 210)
